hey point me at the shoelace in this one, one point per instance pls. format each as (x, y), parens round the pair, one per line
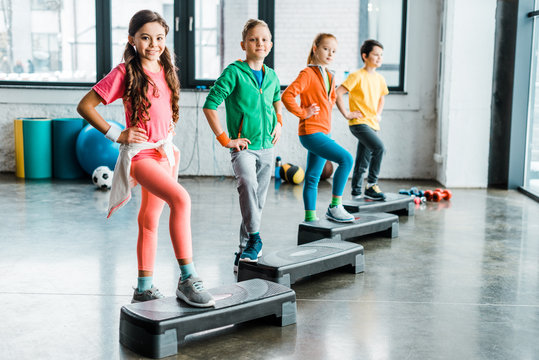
(250, 246)
(199, 286)
(155, 292)
(376, 188)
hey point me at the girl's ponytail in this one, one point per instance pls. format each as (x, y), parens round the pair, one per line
(172, 82)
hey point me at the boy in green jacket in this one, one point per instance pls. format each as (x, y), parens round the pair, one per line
(252, 96)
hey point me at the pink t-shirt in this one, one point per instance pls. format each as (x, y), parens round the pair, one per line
(112, 88)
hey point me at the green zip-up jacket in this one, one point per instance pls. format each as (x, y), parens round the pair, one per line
(249, 108)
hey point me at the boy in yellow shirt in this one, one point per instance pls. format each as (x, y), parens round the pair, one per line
(367, 90)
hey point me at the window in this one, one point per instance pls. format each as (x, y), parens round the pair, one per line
(47, 41)
(215, 28)
(357, 21)
(70, 42)
(531, 163)
(122, 11)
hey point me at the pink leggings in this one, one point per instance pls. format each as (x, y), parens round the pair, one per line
(159, 185)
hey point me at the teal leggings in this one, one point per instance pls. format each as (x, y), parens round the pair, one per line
(322, 147)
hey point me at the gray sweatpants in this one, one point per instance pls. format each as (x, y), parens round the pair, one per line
(252, 169)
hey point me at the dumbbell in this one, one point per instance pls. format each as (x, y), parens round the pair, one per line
(438, 194)
(413, 191)
(404, 192)
(444, 193)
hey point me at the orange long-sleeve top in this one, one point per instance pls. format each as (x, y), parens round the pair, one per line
(310, 87)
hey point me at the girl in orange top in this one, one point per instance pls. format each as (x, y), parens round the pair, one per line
(316, 87)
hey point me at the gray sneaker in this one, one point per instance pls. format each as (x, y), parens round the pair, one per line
(191, 290)
(146, 295)
(339, 214)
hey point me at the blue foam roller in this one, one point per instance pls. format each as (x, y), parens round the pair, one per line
(64, 139)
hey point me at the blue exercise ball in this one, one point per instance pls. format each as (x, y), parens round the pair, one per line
(94, 149)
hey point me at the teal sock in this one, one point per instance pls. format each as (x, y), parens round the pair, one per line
(254, 236)
(336, 201)
(144, 283)
(310, 215)
(188, 270)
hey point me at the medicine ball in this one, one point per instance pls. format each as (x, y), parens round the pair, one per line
(328, 171)
(292, 174)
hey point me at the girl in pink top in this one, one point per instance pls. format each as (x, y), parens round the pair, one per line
(149, 87)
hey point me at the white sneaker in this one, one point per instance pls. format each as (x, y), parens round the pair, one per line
(339, 214)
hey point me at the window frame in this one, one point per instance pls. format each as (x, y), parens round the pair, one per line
(103, 63)
(184, 45)
(185, 42)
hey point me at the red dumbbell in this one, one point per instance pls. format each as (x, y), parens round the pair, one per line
(447, 194)
(437, 196)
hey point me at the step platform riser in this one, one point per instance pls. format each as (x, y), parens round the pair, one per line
(397, 204)
(154, 328)
(366, 223)
(286, 266)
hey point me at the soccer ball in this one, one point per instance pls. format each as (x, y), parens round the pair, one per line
(102, 177)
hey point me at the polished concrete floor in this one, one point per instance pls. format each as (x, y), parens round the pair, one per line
(460, 282)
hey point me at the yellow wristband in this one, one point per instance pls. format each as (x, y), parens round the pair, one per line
(223, 139)
(280, 119)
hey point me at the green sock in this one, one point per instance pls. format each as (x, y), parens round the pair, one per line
(336, 200)
(310, 215)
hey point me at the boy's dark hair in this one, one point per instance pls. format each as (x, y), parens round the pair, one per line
(367, 47)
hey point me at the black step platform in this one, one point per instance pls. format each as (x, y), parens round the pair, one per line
(394, 203)
(365, 224)
(290, 264)
(153, 328)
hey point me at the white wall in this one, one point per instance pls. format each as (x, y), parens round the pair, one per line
(465, 96)
(409, 125)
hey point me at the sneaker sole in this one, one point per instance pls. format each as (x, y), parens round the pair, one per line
(340, 220)
(182, 297)
(375, 198)
(249, 260)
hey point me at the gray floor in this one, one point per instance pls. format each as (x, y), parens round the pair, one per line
(460, 281)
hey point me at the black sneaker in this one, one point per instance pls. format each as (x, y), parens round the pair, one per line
(374, 193)
(236, 261)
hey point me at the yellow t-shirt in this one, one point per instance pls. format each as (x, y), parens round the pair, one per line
(365, 90)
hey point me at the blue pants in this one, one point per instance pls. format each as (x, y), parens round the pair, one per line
(322, 147)
(370, 151)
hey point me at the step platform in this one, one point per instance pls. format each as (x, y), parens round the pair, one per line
(288, 265)
(394, 203)
(365, 224)
(153, 328)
